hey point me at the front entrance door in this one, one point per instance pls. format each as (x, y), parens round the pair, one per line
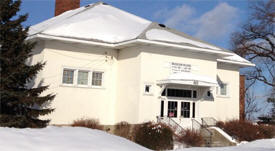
(185, 109)
(172, 108)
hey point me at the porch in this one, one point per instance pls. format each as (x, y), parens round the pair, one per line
(181, 95)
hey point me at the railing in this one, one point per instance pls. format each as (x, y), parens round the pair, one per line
(208, 121)
(207, 132)
(195, 126)
(170, 122)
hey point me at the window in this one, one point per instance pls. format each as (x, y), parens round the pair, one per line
(97, 78)
(163, 92)
(208, 93)
(194, 94)
(223, 89)
(172, 109)
(79, 77)
(148, 89)
(185, 109)
(179, 93)
(68, 76)
(82, 77)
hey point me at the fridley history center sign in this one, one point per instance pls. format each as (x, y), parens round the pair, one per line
(180, 67)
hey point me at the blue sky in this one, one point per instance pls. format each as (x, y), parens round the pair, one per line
(210, 20)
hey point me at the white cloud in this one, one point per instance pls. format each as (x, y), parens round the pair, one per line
(217, 23)
(212, 25)
(175, 16)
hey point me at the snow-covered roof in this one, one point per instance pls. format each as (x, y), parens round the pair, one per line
(106, 24)
(97, 22)
(236, 59)
(164, 35)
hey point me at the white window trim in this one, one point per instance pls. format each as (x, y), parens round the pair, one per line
(62, 72)
(102, 82)
(82, 85)
(75, 79)
(227, 91)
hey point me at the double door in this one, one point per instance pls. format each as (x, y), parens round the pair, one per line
(176, 109)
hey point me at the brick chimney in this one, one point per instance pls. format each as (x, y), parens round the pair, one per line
(62, 6)
(242, 97)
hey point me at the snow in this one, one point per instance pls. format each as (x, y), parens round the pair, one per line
(237, 58)
(163, 35)
(63, 139)
(258, 145)
(53, 21)
(228, 137)
(95, 22)
(82, 139)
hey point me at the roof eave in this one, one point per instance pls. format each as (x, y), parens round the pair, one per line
(190, 48)
(129, 43)
(241, 64)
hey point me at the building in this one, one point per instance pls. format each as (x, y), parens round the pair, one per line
(108, 64)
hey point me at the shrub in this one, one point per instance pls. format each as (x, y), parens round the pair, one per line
(154, 136)
(220, 124)
(246, 131)
(268, 131)
(88, 123)
(190, 138)
(123, 129)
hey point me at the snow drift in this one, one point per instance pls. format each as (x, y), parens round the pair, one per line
(84, 139)
(63, 139)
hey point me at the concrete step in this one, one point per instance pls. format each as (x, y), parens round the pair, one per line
(216, 139)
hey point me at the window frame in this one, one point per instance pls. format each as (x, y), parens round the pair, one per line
(165, 91)
(75, 78)
(88, 79)
(173, 110)
(227, 90)
(183, 111)
(102, 77)
(151, 88)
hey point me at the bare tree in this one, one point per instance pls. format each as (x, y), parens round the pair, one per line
(251, 105)
(271, 100)
(256, 40)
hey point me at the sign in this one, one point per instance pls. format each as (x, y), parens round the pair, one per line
(196, 82)
(180, 67)
(171, 114)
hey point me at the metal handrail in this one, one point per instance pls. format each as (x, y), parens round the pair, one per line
(159, 119)
(181, 128)
(201, 126)
(210, 134)
(205, 121)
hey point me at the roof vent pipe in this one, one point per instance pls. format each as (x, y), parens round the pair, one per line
(162, 25)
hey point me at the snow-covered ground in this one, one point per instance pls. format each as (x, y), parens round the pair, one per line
(83, 139)
(63, 139)
(258, 145)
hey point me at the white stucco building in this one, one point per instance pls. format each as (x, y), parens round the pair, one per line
(105, 63)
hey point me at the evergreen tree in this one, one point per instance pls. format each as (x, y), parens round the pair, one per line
(20, 105)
